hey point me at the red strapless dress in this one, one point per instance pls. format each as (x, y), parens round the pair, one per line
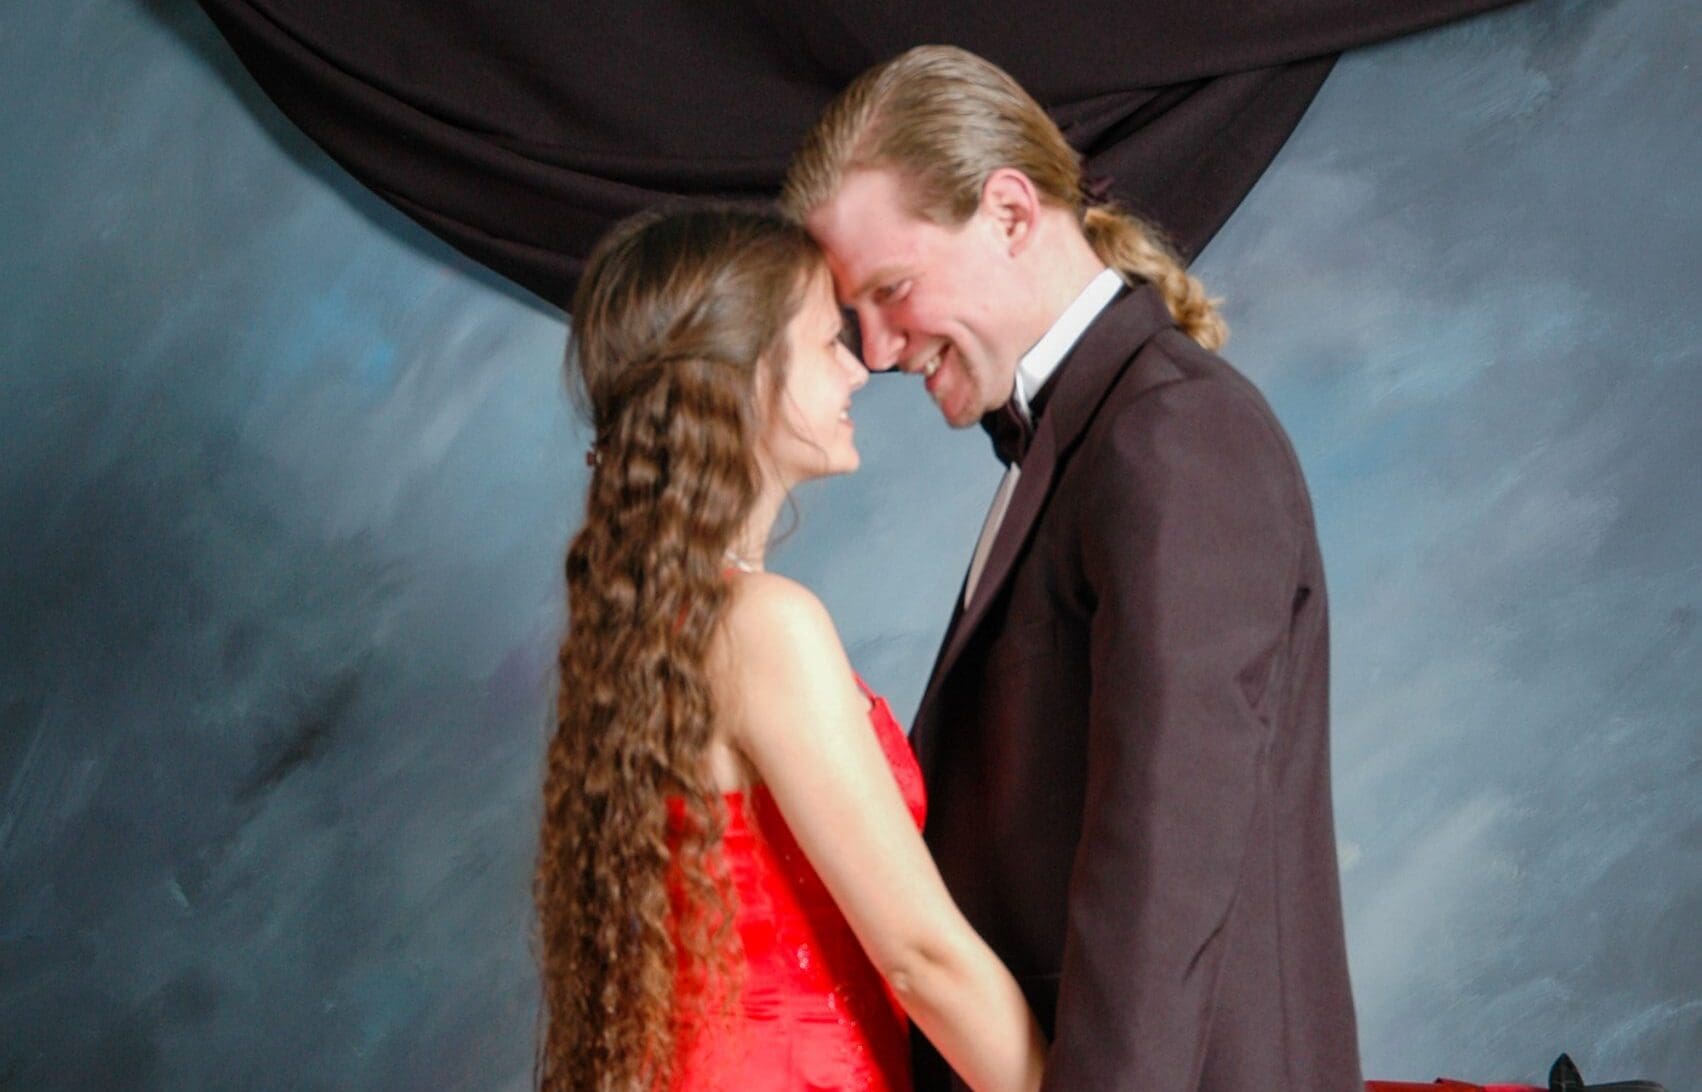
(812, 1013)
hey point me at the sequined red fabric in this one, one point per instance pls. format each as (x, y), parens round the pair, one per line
(812, 1012)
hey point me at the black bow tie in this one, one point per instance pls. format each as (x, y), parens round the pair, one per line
(1010, 431)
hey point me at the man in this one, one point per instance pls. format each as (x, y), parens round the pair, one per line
(1125, 735)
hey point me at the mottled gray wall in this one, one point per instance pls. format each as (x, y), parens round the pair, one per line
(285, 484)
(1470, 287)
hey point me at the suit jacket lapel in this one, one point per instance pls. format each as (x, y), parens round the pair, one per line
(1084, 378)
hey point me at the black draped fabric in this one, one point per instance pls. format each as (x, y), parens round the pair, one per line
(519, 131)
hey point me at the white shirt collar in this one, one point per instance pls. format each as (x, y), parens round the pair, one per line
(1038, 364)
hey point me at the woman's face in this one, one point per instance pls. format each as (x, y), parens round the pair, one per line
(808, 432)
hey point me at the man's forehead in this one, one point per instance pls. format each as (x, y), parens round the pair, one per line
(867, 232)
(860, 267)
(866, 193)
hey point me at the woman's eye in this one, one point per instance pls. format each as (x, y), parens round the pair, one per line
(850, 334)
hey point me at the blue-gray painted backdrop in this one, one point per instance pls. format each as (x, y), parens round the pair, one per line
(284, 486)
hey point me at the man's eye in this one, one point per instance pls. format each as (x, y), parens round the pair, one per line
(887, 292)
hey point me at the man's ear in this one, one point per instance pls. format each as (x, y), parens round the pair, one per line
(1011, 206)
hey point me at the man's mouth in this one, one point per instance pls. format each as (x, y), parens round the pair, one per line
(931, 363)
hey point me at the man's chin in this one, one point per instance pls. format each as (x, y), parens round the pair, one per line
(960, 418)
(955, 413)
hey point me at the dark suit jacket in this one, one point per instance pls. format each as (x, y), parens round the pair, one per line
(1126, 736)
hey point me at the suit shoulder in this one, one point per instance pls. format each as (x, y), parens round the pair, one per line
(1174, 379)
(1172, 357)
(1199, 430)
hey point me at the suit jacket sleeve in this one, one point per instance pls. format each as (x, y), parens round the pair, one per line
(1193, 560)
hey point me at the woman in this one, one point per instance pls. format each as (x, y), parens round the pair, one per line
(729, 866)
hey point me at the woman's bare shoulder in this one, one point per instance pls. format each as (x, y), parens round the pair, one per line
(778, 653)
(777, 614)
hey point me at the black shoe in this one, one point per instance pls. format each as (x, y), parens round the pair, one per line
(1564, 1078)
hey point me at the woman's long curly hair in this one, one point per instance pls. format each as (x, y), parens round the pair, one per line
(678, 340)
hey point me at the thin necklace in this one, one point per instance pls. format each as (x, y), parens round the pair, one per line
(738, 562)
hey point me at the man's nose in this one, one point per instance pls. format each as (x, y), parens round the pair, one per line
(881, 346)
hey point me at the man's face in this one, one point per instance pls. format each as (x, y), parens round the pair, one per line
(931, 301)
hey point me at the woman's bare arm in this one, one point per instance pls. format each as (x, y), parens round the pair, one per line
(791, 706)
